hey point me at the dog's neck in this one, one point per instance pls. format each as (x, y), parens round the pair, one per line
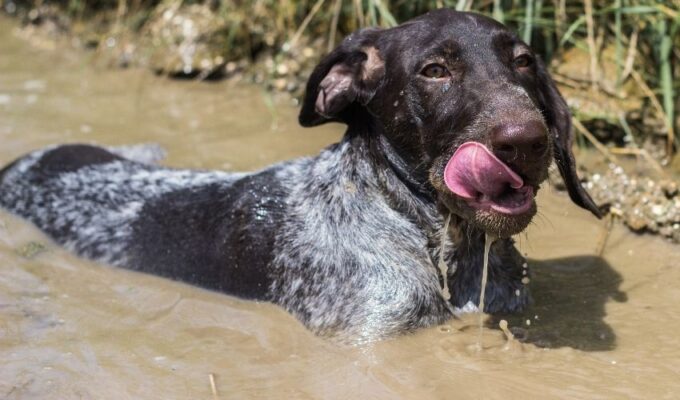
(410, 170)
(407, 191)
(406, 184)
(412, 176)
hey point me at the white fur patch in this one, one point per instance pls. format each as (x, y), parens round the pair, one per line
(468, 308)
(349, 243)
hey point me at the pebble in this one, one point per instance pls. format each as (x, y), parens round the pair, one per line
(282, 69)
(308, 52)
(280, 84)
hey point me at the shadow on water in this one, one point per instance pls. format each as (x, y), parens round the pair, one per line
(570, 295)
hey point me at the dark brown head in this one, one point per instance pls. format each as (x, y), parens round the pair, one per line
(464, 103)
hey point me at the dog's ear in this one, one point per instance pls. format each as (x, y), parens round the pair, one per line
(559, 122)
(350, 74)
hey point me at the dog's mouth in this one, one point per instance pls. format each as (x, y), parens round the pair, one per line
(485, 182)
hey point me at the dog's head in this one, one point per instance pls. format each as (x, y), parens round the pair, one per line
(464, 102)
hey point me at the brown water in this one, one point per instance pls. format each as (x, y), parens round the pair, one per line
(70, 329)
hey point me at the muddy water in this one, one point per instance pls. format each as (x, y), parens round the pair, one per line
(601, 327)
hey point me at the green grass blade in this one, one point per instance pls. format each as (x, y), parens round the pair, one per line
(619, 44)
(666, 78)
(528, 21)
(572, 28)
(498, 11)
(461, 5)
(385, 14)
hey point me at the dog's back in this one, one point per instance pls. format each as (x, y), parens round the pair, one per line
(174, 223)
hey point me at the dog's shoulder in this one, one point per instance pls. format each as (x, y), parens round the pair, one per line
(344, 248)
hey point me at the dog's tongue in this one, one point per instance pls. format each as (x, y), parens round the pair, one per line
(474, 170)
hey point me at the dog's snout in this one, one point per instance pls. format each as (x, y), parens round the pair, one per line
(519, 141)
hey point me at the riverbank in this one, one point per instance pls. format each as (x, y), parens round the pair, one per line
(189, 41)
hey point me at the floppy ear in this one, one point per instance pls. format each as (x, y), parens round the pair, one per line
(559, 122)
(349, 74)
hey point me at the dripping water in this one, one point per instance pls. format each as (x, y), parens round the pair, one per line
(489, 239)
(443, 268)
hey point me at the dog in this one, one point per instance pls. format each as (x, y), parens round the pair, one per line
(449, 116)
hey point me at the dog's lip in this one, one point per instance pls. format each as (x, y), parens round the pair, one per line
(513, 202)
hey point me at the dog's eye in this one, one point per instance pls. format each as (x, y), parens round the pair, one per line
(523, 61)
(435, 71)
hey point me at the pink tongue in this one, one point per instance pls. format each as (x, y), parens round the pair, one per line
(474, 170)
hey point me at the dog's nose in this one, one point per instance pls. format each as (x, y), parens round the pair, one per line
(519, 142)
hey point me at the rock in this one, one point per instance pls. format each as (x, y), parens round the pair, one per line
(670, 188)
(636, 222)
(280, 84)
(191, 41)
(600, 105)
(643, 203)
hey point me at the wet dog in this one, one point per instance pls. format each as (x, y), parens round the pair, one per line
(448, 114)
